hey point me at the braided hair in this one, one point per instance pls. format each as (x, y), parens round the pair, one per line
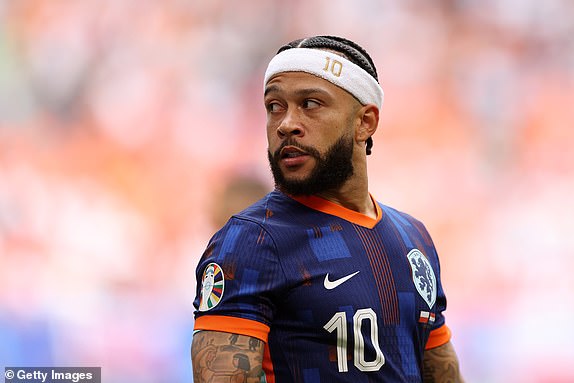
(350, 50)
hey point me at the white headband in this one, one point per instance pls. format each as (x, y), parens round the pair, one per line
(331, 67)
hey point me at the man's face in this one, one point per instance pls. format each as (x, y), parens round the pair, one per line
(310, 131)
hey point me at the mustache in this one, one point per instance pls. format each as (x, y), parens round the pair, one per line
(291, 142)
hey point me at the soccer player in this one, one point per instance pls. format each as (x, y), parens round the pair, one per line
(317, 281)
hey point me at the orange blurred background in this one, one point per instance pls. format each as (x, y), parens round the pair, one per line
(124, 124)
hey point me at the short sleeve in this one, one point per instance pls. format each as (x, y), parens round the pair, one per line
(239, 281)
(440, 333)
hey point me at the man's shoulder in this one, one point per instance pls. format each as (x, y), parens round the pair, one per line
(405, 224)
(273, 209)
(276, 218)
(398, 216)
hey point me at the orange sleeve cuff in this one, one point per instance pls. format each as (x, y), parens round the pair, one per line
(438, 337)
(232, 325)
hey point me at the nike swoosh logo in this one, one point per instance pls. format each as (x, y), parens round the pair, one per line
(330, 285)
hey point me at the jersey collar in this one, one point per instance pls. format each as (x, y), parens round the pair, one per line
(328, 207)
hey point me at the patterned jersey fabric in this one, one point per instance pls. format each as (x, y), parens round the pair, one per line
(337, 296)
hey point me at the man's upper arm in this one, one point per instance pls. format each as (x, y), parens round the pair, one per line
(235, 357)
(440, 364)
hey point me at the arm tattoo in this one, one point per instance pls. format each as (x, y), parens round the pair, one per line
(218, 356)
(440, 365)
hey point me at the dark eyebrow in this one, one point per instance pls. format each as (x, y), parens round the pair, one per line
(271, 88)
(309, 91)
(300, 92)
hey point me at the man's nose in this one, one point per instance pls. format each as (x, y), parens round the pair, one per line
(290, 125)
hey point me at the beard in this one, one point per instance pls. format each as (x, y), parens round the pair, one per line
(330, 172)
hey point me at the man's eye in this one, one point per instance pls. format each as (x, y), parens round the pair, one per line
(310, 104)
(273, 107)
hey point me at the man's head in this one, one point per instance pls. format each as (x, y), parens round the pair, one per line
(322, 98)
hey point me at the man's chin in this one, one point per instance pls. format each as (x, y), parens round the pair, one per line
(299, 187)
(295, 179)
(290, 180)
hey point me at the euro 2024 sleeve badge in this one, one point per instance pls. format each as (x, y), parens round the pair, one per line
(212, 286)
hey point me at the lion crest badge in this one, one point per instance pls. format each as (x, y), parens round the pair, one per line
(423, 276)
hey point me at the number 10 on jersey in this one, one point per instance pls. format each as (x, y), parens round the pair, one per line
(338, 323)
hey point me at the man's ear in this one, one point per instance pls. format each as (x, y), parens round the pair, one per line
(369, 120)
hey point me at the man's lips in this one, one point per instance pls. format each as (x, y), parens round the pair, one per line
(292, 156)
(291, 151)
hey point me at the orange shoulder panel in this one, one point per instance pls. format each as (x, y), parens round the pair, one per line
(232, 325)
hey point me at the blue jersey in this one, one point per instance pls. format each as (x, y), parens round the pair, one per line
(337, 296)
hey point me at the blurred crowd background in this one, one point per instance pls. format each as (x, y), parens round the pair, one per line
(131, 129)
